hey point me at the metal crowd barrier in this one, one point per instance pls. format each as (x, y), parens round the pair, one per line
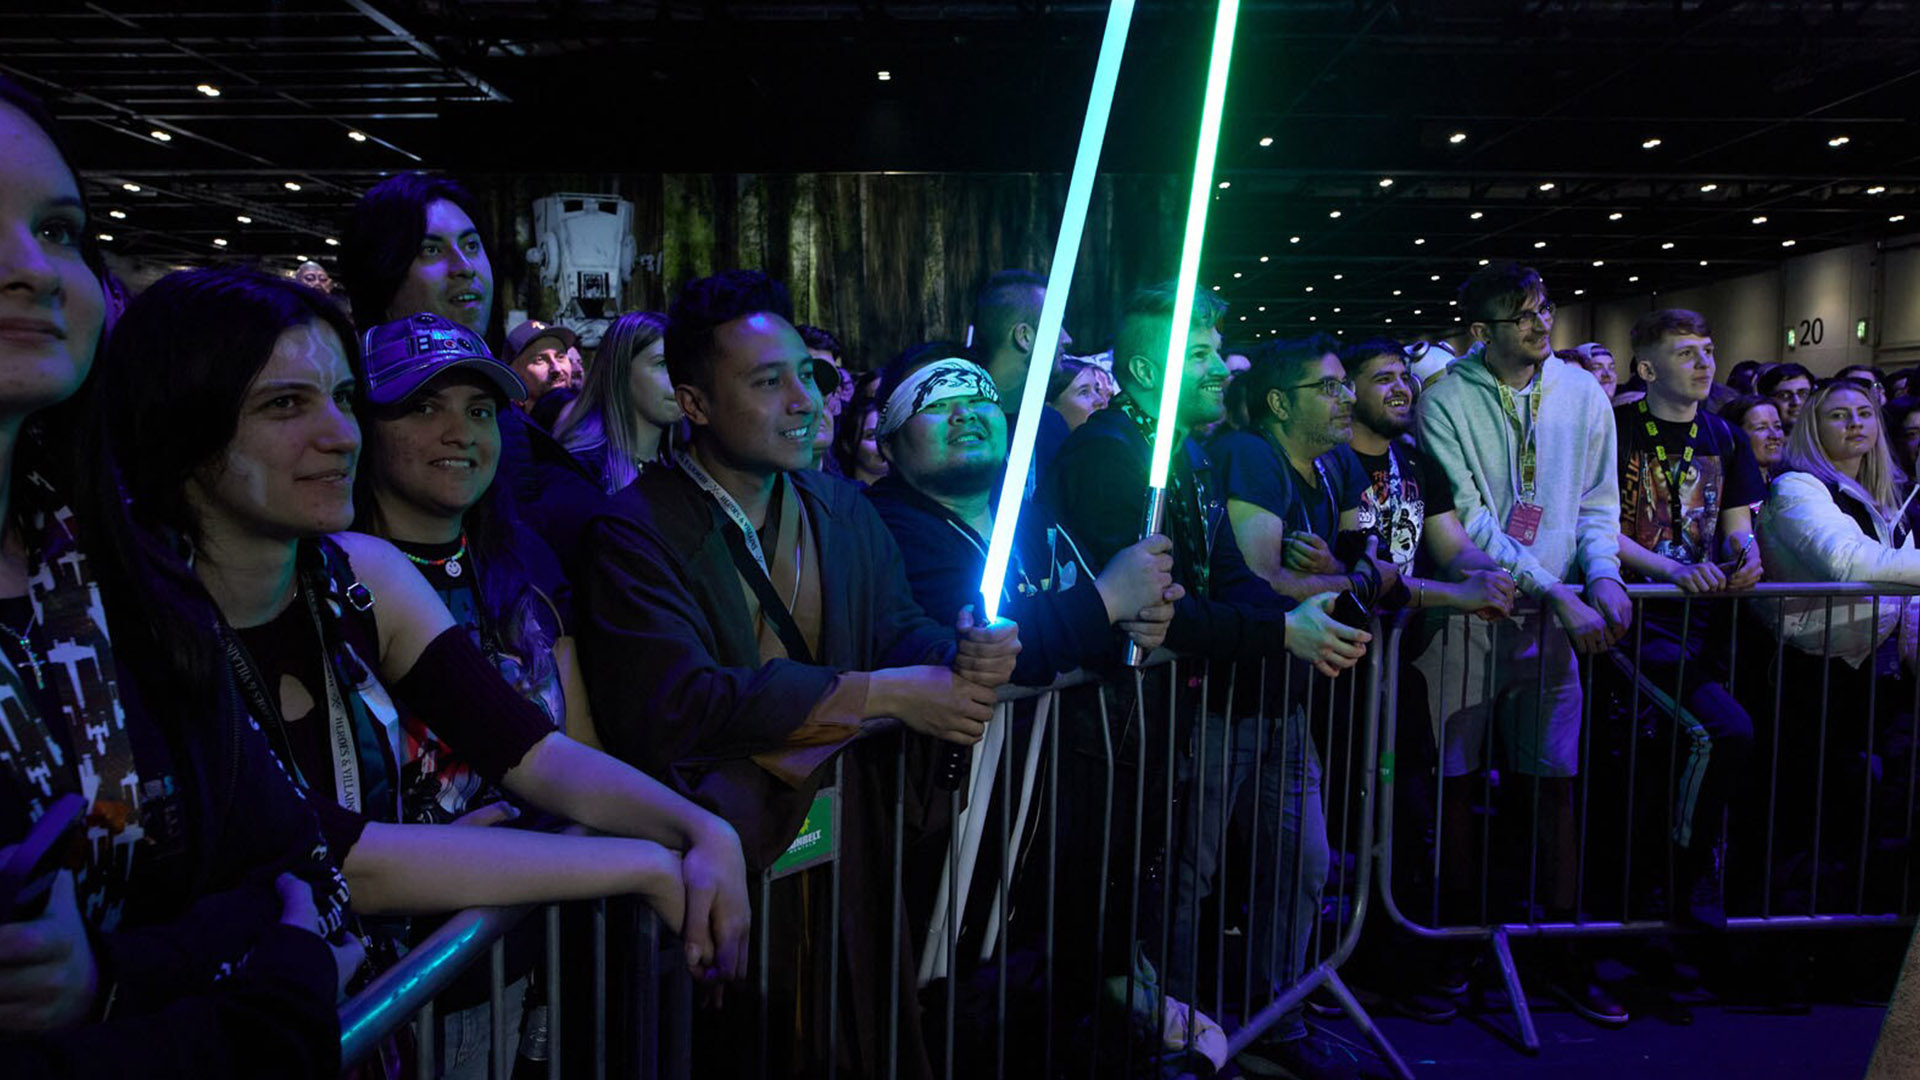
(1820, 736)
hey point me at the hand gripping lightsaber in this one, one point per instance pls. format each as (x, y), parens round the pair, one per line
(1197, 200)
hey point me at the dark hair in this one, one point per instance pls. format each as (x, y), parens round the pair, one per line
(1497, 290)
(816, 338)
(1005, 301)
(1735, 412)
(1654, 326)
(1354, 357)
(1896, 414)
(1868, 369)
(1740, 377)
(1279, 366)
(1780, 373)
(1145, 321)
(167, 400)
(704, 306)
(1065, 370)
(846, 432)
(508, 598)
(383, 238)
(12, 93)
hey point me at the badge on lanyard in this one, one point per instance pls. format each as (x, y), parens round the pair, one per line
(1523, 524)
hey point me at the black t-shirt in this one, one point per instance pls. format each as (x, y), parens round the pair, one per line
(1398, 515)
(1252, 469)
(1676, 478)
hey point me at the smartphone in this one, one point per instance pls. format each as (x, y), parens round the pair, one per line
(27, 869)
(1350, 610)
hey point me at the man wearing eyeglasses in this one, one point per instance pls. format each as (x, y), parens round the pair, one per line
(1527, 441)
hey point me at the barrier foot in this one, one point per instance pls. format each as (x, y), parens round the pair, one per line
(1522, 1013)
(1358, 1014)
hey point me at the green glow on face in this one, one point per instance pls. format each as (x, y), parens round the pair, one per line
(1066, 251)
(1198, 198)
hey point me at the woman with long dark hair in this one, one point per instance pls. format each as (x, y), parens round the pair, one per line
(623, 419)
(193, 923)
(227, 413)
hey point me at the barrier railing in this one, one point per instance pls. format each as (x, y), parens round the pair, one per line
(1759, 838)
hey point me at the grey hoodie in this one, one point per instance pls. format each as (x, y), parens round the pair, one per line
(1465, 429)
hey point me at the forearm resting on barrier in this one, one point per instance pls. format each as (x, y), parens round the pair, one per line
(422, 869)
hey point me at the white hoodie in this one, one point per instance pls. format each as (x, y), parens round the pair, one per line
(1806, 536)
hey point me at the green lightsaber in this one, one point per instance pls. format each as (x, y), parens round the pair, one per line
(1198, 198)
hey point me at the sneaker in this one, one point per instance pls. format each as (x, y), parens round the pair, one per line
(1309, 1057)
(1424, 1007)
(1702, 901)
(1590, 1000)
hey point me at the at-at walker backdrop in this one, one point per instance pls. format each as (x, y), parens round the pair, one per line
(882, 260)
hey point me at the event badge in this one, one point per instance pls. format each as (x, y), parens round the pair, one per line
(1524, 523)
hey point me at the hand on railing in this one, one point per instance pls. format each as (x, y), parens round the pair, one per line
(297, 911)
(932, 700)
(1314, 635)
(1593, 628)
(717, 914)
(1489, 594)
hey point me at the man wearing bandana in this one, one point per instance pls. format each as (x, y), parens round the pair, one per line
(747, 624)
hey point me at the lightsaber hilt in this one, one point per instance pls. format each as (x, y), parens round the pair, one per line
(956, 761)
(1156, 519)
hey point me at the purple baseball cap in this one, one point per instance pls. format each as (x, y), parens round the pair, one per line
(404, 355)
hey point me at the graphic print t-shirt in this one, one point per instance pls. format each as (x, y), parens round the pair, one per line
(1671, 506)
(1398, 516)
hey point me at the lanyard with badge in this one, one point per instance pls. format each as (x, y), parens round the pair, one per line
(743, 541)
(1674, 474)
(1523, 524)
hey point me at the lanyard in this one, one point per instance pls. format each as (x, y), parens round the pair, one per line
(772, 606)
(1674, 475)
(1529, 454)
(728, 504)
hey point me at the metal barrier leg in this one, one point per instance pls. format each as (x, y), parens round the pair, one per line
(1361, 1020)
(1522, 1012)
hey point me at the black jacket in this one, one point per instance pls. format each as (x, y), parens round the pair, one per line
(1049, 591)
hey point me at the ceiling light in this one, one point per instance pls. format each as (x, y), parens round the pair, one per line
(1313, 318)
(1419, 240)
(1838, 141)
(1649, 144)
(1337, 277)
(1309, 288)
(884, 76)
(1389, 320)
(1266, 140)
(1668, 246)
(1877, 189)
(218, 242)
(243, 219)
(1547, 186)
(117, 215)
(1704, 188)
(1293, 239)
(1216, 288)
(1788, 243)
(1457, 138)
(160, 136)
(1243, 318)
(1435, 277)
(1453, 303)
(1615, 216)
(1539, 243)
(1634, 277)
(1475, 216)
(1333, 213)
(1386, 181)
(1703, 262)
(291, 186)
(331, 242)
(1264, 258)
(1225, 184)
(1599, 262)
(1759, 219)
(1236, 274)
(1579, 292)
(106, 238)
(1483, 262)
(208, 89)
(1898, 217)
(1416, 311)
(357, 136)
(1396, 292)
(1456, 318)
(129, 187)
(1263, 307)
(1336, 311)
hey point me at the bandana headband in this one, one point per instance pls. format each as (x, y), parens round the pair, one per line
(942, 380)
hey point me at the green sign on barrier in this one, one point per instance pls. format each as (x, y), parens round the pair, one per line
(818, 839)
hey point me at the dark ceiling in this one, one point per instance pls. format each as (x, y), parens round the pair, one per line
(1408, 140)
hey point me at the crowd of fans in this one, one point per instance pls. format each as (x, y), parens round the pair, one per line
(329, 617)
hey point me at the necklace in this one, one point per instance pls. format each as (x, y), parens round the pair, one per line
(24, 638)
(450, 565)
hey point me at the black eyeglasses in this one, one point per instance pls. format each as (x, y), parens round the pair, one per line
(1329, 387)
(1542, 314)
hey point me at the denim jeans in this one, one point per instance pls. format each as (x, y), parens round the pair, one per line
(1290, 860)
(466, 1035)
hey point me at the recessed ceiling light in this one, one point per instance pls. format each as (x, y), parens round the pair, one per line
(243, 219)
(1633, 277)
(1579, 292)
(1225, 184)
(291, 186)
(1898, 217)
(1457, 138)
(1263, 307)
(129, 187)
(219, 242)
(161, 136)
(1333, 213)
(1416, 311)
(208, 89)
(1703, 262)
(1546, 186)
(1313, 318)
(1389, 320)
(1877, 189)
(1236, 274)
(1396, 292)
(1243, 318)
(1264, 258)
(1453, 303)
(1435, 277)
(1309, 288)
(1539, 243)
(1615, 216)
(1336, 311)
(1337, 277)
(1266, 140)
(1475, 216)
(884, 76)
(1648, 144)
(357, 136)
(1838, 141)
(1788, 243)
(1759, 219)
(1668, 246)
(331, 242)
(1456, 318)
(1386, 181)
(1599, 262)
(117, 215)
(106, 238)
(1483, 262)
(1419, 240)
(1216, 288)
(1293, 239)
(1704, 188)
